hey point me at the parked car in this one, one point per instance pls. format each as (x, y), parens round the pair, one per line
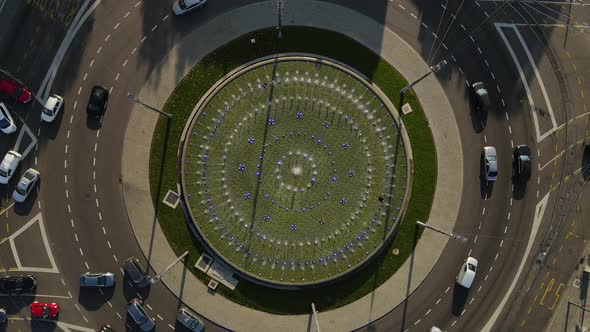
(3, 316)
(139, 315)
(97, 103)
(490, 163)
(52, 107)
(482, 97)
(7, 124)
(180, 7)
(16, 90)
(8, 166)
(25, 185)
(136, 272)
(97, 279)
(44, 309)
(18, 284)
(467, 273)
(522, 163)
(189, 321)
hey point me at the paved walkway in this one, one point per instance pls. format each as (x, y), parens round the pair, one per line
(309, 13)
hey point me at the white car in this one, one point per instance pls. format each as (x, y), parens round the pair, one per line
(52, 107)
(9, 165)
(25, 185)
(184, 6)
(490, 163)
(6, 122)
(467, 272)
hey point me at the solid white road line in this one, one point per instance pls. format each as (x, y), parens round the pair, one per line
(540, 137)
(539, 211)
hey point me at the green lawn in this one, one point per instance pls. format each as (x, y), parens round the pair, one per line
(345, 50)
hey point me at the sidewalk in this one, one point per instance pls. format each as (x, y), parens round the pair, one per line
(373, 35)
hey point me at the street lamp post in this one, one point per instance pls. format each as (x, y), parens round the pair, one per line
(433, 69)
(451, 235)
(280, 6)
(136, 100)
(159, 276)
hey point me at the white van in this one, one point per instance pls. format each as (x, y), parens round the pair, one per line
(467, 272)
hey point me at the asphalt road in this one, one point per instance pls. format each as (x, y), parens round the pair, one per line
(81, 196)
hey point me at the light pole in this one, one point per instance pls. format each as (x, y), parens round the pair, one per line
(433, 69)
(159, 276)
(454, 236)
(136, 100)
(280, 6)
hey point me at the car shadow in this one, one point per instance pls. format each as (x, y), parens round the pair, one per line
(92, 298)
(130, 291)
(586, 162)
(38, 324)
(485, 187)
(94, 123)
(479, 118)
(24, 208)
(459, 299)
(519, 188)
(51, 129)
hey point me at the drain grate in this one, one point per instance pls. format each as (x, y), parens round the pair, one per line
(171, 199)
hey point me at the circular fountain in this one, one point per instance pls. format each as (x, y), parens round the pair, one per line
(295, 170)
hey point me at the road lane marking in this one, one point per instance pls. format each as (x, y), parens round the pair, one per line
(538, 216)
(524, 80)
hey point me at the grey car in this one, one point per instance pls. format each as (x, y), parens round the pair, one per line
(139, 315)
(97, 279)
(490, 163)
(191, 322)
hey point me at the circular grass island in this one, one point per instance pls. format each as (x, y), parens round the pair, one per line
(295, 170)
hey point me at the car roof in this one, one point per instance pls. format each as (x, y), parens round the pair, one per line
(51, 102)
(471, 260)
(9, 160)
(523, 150)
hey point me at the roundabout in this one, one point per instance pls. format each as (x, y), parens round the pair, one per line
(294, 170)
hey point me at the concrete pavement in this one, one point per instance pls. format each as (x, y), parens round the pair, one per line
(376, 37)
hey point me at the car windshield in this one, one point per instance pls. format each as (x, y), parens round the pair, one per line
(4, 123)
(47, 111)
(20, 190)
(181, 4)
(491, 158)
(46, 311)
(493, 173)
(3, 173)
(471, 267)
(482, 92)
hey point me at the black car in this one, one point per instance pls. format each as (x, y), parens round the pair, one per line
(522, 163)
(482, 97)
(97, 103)
(9, 284)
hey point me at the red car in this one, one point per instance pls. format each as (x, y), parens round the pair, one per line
(16, 90)
(44, 309)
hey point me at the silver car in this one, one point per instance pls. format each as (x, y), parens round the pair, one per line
(97, 279)
(140, 316)
(490, 163)
(7, 125)
(191, 322)
(25, 185)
